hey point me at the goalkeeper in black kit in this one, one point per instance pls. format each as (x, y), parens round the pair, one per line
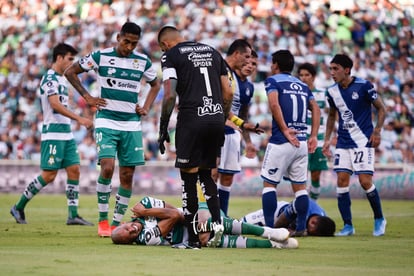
(197, 74)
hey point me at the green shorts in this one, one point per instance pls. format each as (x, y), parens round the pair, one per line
(125, 145)
(317, 161)
(58, 154)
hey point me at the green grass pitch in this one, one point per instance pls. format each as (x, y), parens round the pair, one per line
(47, 246)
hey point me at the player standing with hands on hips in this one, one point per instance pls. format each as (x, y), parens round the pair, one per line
(118, 132)
(197, 74)
(287, 151)
(352, 98)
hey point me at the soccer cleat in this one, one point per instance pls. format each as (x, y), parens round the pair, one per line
(187, 245)
(78, 221)
(379, 227)
(18, 215)
(104, 230)
(277, 234)
(302, 233)
(348, 230)
(290, 243)
(215, 241)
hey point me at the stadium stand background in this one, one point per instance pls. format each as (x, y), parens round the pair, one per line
(378, 35)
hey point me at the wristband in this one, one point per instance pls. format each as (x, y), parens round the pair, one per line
(237, 121)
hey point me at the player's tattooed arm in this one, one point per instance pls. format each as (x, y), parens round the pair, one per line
(169, 99)
(227, 95)
(71, 74)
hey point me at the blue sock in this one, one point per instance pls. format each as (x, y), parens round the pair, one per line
(302, 207)
(375, 202)
(224, 195)
(344, 206)
(269, 205)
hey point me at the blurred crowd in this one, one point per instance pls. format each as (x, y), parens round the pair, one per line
(378, 35)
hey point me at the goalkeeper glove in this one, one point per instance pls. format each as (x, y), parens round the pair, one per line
(163, 135)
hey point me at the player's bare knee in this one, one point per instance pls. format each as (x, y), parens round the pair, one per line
(49, 176)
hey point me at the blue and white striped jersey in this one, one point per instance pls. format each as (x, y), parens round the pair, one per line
(354, 106)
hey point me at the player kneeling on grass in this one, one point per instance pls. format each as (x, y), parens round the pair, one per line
(156, 222)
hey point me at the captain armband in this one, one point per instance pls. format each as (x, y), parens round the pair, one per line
(237, 121)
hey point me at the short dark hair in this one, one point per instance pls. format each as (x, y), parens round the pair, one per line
(238, 45)
(131, 28)
(308, 67)
(343, 60)
(284, 59)
(254, 54)
(325, 227)
(166, 29)
(62, 49)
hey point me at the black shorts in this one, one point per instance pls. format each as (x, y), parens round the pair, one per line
(197, 145)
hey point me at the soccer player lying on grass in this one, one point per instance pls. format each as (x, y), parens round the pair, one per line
(317, 223)
(156, 222)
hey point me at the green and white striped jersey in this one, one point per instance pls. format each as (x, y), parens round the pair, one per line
(55, 125)
(320, 98)
(150, 234)
(119, 80)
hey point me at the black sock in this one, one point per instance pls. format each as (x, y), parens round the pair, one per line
(209, 188)
(190, 204)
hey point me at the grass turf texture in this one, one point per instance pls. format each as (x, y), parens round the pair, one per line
(47, 246)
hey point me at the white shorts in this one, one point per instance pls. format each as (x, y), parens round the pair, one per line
(286, 161)
(230, 154)
(357, 160)
(257, 217)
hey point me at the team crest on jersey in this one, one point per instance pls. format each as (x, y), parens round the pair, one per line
(209, 108)
(51, 160)
(355, 95)
(111, 71)
(373, 93)
(135, 63)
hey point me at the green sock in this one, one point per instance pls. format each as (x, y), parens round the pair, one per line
(256, 243)
(236, 227)
(103, 191)
(235, 241)
(30, 191)
(314, 190)
(72, 197)
(227, 223)
(251, 229)
(121, 205)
